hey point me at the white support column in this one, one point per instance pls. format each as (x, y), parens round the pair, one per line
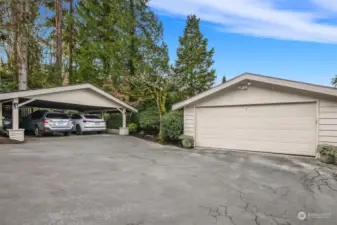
(15, 133)
(15, 114)
(124, 130)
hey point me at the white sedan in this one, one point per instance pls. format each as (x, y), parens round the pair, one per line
(88, 123)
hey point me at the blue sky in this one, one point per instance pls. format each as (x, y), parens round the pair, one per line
(278, 38)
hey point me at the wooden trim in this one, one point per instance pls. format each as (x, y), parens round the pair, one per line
(195, 126)
(26, 102)
(318, 103)
(259, 104)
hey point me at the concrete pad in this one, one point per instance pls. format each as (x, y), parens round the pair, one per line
(110, 179)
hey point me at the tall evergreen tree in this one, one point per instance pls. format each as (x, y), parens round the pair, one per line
(224, 79)
(193, 66)
(118, 38)
(101, 48)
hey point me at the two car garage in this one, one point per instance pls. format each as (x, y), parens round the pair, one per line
(269, 128)
(258, 113)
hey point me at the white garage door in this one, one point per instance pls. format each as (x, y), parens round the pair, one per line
(286, 128)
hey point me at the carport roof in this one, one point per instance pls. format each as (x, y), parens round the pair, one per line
(29, 94)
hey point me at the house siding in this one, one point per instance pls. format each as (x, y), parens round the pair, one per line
(327, 124)
(189, 121)
(254, 95)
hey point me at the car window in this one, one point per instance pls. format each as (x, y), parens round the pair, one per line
(35, 115)
(76, 117)
(91, 117)
(57, 116)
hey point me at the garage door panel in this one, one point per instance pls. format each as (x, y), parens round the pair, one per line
(275, 136)
(251, 123)
(288, 128)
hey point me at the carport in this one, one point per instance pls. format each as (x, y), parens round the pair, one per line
(83, 97)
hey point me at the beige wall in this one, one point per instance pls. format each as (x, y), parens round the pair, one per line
(81, 97)
(327, 110)
(253, 95)
(327, 122)
(189, 121)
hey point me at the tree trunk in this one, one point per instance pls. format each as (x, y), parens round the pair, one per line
(161, 100)
(132, 69)
(161, 131)
(21, 44)
(70, 72)
(58, 41)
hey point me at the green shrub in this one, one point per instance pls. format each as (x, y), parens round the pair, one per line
(149, 120)
(173, 125)
(114, 121)
(187, 141)
(327, 153)
(327, 149)
(133, 127)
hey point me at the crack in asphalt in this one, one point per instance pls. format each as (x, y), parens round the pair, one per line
(249, 208)
(213, 212)
(255, 211)
(315, 178)
(227, 215)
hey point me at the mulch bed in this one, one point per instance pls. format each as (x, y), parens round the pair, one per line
(147, 137)
(153, 138)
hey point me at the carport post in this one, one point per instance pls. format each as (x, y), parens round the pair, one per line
(15, 133)
(15, 113)
(123, 130)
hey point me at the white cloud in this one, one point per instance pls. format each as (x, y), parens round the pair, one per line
(259, 17)
(330, 5)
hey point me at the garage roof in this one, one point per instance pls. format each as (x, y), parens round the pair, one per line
(58, 100)
(249, 77)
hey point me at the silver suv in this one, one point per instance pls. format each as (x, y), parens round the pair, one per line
(43, 122)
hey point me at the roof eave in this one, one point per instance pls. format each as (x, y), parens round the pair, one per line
(328, 91)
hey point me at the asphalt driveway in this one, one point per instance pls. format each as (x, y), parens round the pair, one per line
(124, 180)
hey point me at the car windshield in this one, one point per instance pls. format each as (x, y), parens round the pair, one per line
(57, 116)
(91, 117)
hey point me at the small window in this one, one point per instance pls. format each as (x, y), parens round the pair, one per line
(91, 117)
(57, 116)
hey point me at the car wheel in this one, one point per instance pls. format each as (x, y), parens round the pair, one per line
(66, 133)
(37, 131)
(79, 130)
(100, 132)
